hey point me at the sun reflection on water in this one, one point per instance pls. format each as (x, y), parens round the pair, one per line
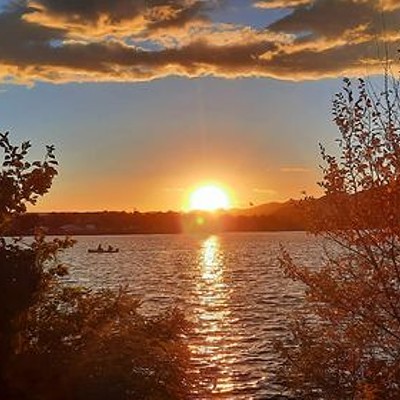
(213, 317)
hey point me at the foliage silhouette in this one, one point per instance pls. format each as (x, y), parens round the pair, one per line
(346, 345)
(21, 274)
(62, 342)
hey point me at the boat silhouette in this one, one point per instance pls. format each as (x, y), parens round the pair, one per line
(103, 251)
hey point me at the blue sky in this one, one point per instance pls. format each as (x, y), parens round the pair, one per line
(229, 93)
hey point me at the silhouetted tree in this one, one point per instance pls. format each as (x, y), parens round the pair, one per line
(21, 272)
(59, 342)
(347, 343)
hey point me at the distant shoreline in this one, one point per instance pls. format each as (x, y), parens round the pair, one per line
(269, 218)
(158, 233)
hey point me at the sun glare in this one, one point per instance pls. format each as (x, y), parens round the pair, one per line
(209, 198)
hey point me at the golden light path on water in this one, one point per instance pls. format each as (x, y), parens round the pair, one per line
(213, 317)
(230, 287)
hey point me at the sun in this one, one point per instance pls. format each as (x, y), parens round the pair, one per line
(209, 198)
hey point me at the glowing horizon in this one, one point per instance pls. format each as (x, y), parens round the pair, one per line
(209, 197)
(228, 91)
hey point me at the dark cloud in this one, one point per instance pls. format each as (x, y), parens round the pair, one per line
(331, 19)
(326, 18)
(114, 10)
(35, 49)
(130, 16)
(122, 40)
(91, 10)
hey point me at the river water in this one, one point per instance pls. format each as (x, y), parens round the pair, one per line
(230, 286)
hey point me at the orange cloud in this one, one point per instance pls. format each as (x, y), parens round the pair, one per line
(120, 40)
(96, 18)
(281, 3)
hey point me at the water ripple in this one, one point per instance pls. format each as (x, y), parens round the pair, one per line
(230, 286)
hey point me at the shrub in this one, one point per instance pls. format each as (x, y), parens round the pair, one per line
(347, 344)
(84, 345)
(59, 342)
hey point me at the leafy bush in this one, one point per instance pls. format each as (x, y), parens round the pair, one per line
(60, 342)
(83, 345)
(347, 345)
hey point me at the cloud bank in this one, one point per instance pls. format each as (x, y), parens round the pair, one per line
(140, 40)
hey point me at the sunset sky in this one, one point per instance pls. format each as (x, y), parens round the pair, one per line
(147, 100)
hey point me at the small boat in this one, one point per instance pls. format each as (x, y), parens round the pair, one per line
(103, 251)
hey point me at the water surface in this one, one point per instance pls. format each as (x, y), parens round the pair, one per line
(230, 286)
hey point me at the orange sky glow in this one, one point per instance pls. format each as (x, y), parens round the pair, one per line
(146, 101)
